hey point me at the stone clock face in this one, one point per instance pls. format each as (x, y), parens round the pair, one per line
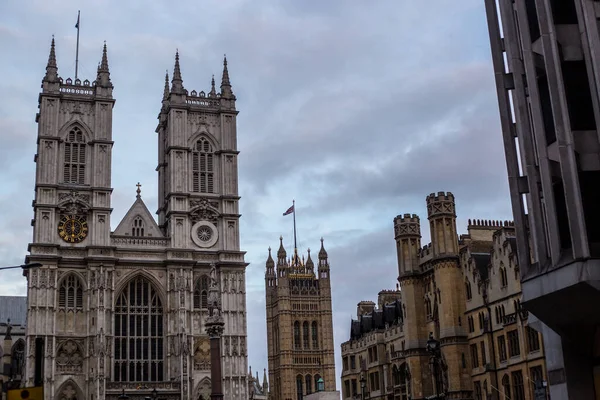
(72, 228)
(204, 234)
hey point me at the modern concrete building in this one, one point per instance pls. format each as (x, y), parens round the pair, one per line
(547, 67)
(500, 356)
(299, 325)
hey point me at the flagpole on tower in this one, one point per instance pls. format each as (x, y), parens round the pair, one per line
(294, 208)
(77, 48)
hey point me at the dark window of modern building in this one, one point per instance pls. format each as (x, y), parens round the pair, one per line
(545, 104)
(514, 349)
(532, 19)
(563, 12)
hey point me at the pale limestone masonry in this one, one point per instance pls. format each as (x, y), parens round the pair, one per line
(125, 310)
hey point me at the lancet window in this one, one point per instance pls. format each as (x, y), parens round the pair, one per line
(74, 157)
(297, 335)
(203, 167)
(315, 335)
(138, 353)
(305, 334)
(201, 292)
(137, 228)
(70, 294)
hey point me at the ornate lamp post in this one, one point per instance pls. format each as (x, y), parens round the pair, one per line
(214, 328)
(123, 396)
(433, 348)
(363, 385)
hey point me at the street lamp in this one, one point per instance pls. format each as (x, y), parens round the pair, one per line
(363, 385)
(123, 396)
(23, 266)
(433, 348)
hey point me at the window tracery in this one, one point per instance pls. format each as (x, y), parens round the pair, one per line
(74, 157)
(138, 333)
(203, 167)
(201, 292)
(305, 334)
(70, 294)
(69, 358)
(297, 335)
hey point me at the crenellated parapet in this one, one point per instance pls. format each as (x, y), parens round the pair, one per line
(440, 205)
(407, 225)
(489, 223)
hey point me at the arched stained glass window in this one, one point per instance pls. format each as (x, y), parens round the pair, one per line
(138, 350)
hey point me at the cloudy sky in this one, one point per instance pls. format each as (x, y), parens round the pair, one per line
(356, 109)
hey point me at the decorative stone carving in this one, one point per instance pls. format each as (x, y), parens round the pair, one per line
(202, 354)
(69, 357)
(73, 203)
(204, 210)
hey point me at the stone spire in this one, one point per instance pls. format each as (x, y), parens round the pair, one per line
(51, 68)
(177, 82)
(270, 261)
(322, 252)
(310, 265)
(166, 90)
(213, 91)
(103, 77)
(226, 91)
(281, 253)
(265, 384)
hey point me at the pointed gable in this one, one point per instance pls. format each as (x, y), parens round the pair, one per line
(138, 222)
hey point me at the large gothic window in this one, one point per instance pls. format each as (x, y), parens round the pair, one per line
(201, 292)
(138, 333)
(74, 157)
(315, 335)
(70, 294)
(203, 167)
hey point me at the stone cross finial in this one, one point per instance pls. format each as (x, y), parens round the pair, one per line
(139, 190)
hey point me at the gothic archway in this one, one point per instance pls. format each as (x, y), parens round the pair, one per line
(203, 390)
(69, 391)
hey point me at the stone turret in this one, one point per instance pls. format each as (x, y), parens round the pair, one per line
(441, 212)
(407, 231)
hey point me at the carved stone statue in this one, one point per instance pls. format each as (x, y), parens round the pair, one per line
(8, 331)
(213, 276)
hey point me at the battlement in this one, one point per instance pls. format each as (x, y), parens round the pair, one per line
(202, 99)
(441, 204)
(441, 196)
(426, 250)
(489, 223)
(407, 219)
(407, 225)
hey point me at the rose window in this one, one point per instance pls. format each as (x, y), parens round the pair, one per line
(205, 233)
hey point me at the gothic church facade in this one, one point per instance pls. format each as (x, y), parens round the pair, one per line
(124, 311)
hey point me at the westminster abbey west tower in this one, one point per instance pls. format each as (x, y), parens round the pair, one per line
(124, 311)
(299, 325)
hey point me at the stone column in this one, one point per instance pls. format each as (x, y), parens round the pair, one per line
(214, 329)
